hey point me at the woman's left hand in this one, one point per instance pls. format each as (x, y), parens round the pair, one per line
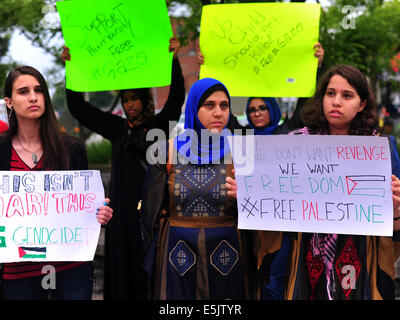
(104, 213)
(174, 45)
(200, 58)
(319, 53)
(396, 202)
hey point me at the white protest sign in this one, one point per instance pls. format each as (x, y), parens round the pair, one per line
(312, 183)
(49, 215)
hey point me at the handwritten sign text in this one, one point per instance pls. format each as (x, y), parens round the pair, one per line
(328, 184)
(49, 215)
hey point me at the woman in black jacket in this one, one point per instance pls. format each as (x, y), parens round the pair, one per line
(34, 142)
(123, 275)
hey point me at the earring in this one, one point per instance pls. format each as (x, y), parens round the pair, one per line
(9, 115)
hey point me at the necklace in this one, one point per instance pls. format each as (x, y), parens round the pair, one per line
(34, 156)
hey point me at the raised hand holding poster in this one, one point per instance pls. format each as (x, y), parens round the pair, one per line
(261, 49)
(49, 215)
(321, 184)
(116, 44)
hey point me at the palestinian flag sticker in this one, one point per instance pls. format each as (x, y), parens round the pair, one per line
(32, 252)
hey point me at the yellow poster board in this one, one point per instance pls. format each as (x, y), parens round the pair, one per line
(261, 49)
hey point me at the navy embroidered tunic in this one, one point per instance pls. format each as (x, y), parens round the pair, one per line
(201, 255)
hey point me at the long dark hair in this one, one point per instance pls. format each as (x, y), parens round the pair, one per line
(55, 154)
(364, 123)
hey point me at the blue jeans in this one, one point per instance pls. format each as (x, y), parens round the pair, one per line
(71, 284)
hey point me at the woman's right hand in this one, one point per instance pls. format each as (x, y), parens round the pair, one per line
(396, 202)
(231, 186)
(65, 55)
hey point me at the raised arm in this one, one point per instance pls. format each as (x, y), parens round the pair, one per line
(176, 97)
(103, 123)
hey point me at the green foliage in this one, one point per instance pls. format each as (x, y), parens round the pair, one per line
(4, 69)
(59, 99)
(22, 15)
(371, 44)
(189, 21)
(99, 152)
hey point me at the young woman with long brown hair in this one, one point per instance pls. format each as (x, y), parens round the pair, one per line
(343, 104)
(34, 142)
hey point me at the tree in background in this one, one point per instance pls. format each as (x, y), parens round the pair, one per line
(363, 33)
(21, 15)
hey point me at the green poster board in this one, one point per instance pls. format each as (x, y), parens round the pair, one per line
(116, 44)
(261, 49)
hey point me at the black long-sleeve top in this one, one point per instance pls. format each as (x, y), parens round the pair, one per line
(111, 126)
(123, 248)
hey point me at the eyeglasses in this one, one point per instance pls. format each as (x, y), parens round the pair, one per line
(261, 108)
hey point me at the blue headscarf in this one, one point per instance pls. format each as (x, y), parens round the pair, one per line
(274, 114)
(192, 147)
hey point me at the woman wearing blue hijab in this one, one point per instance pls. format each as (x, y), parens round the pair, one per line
(195, 250)
(194, 143)
(263, 115)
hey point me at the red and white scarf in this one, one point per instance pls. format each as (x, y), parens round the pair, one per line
(325, 246)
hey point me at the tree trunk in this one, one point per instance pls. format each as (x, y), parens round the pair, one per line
(374, 87)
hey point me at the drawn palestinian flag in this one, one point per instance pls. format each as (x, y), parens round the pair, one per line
(32, 252)
(365, 185)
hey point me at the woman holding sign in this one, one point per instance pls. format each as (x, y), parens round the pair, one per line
(332, 266)
(34, 142)
(195, 250)
(339, 266)
(123, 275)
